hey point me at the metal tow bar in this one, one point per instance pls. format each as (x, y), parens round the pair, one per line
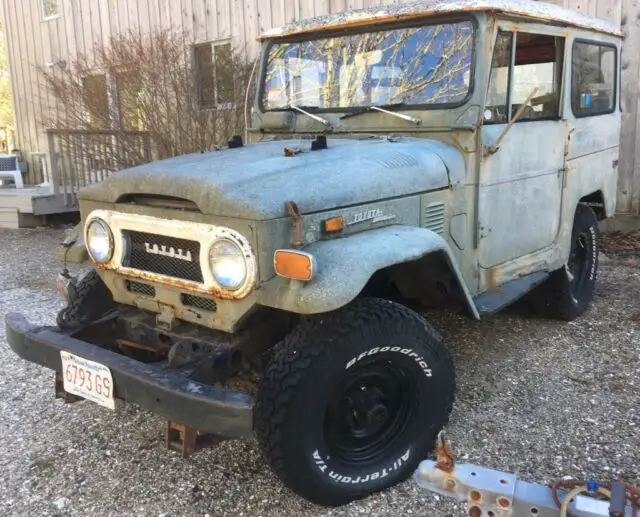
(491, 493)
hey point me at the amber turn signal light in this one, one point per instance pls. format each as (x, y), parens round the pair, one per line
(333, 225)
(293, 264)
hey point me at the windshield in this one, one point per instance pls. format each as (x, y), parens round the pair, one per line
(428, 65)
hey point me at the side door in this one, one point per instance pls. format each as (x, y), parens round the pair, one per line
(520, 183)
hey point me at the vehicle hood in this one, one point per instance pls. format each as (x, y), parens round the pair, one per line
(254, 181)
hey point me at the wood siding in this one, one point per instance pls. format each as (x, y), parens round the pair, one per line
(82, 24)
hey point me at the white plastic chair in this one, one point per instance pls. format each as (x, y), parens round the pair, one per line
(9, 167)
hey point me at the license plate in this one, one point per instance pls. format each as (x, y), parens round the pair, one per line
(87, 379)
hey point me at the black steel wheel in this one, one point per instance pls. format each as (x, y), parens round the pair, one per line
(352, 401)
(369, 409)
(568, 292)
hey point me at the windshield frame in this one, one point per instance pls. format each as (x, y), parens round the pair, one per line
(424, 21)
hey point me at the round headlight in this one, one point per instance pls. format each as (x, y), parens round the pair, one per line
(228, 265)
(99, 241)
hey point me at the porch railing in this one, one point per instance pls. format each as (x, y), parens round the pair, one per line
(79, 158)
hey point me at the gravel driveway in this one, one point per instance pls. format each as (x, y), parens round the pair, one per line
(542, 399)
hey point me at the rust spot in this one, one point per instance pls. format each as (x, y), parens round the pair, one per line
(504, 502)
(170, 281)
(125, 343)
(475, 496)
(294, 213)
(491, 278)
(187, 440)
(474, 511)
(445, 460)
(450, 485)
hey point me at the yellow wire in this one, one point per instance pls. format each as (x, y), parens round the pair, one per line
(582, 489)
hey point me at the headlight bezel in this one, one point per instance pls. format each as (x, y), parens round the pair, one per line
(105, 226)
(206, 234)
(245, 263)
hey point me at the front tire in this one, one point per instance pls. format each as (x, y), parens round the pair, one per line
(568, 292)
(352, 401)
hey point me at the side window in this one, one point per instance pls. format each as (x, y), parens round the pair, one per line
(524, 63)
(593, 79)
(497, 107)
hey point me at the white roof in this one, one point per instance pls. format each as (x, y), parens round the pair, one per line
(386, 13)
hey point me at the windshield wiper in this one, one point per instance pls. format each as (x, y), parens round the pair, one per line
(383, 109)
(310, 115)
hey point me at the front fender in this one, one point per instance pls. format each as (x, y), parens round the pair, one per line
(345, 265)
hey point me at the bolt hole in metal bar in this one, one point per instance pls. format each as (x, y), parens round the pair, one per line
(490, 492)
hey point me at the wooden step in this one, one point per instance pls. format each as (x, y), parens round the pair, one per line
(9, 218)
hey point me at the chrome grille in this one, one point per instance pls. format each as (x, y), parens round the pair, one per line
(139, 257)
(205, 304)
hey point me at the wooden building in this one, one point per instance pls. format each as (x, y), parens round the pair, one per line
(53, 33)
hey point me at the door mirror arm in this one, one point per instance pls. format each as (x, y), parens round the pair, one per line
(492, 149)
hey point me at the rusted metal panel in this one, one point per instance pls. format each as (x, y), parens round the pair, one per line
(379, 14)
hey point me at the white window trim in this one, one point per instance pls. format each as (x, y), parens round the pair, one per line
(43, 17)
(217, 107)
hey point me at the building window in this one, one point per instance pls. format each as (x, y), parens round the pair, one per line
(49, 9)
(593, 82)
(96, 101)
(129, 92)
(213, 75)
(524, 63)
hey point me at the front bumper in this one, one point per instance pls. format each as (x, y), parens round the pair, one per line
(209, 409)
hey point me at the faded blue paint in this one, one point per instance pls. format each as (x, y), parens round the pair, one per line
(254, 182)
(347, 273)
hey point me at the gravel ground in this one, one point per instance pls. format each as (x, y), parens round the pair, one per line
(539, 398)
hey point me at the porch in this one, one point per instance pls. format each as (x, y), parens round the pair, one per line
(74, 160)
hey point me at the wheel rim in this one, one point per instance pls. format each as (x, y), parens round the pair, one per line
(369, 409)
(578, 264)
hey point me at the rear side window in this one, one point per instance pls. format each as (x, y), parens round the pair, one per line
(593, 84)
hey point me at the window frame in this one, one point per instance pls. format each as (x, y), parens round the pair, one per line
(617, 70)
(43, 16)
(420, 22)
(197, 95)
(560, 69)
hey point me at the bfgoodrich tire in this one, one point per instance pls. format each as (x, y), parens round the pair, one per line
(568, 292)
(352, 401)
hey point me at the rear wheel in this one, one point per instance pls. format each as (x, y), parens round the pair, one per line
(568, 292)
(352, 401)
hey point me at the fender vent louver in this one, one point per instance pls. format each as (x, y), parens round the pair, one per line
(433, 215)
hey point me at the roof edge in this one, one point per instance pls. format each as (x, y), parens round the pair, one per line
(541, 11)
